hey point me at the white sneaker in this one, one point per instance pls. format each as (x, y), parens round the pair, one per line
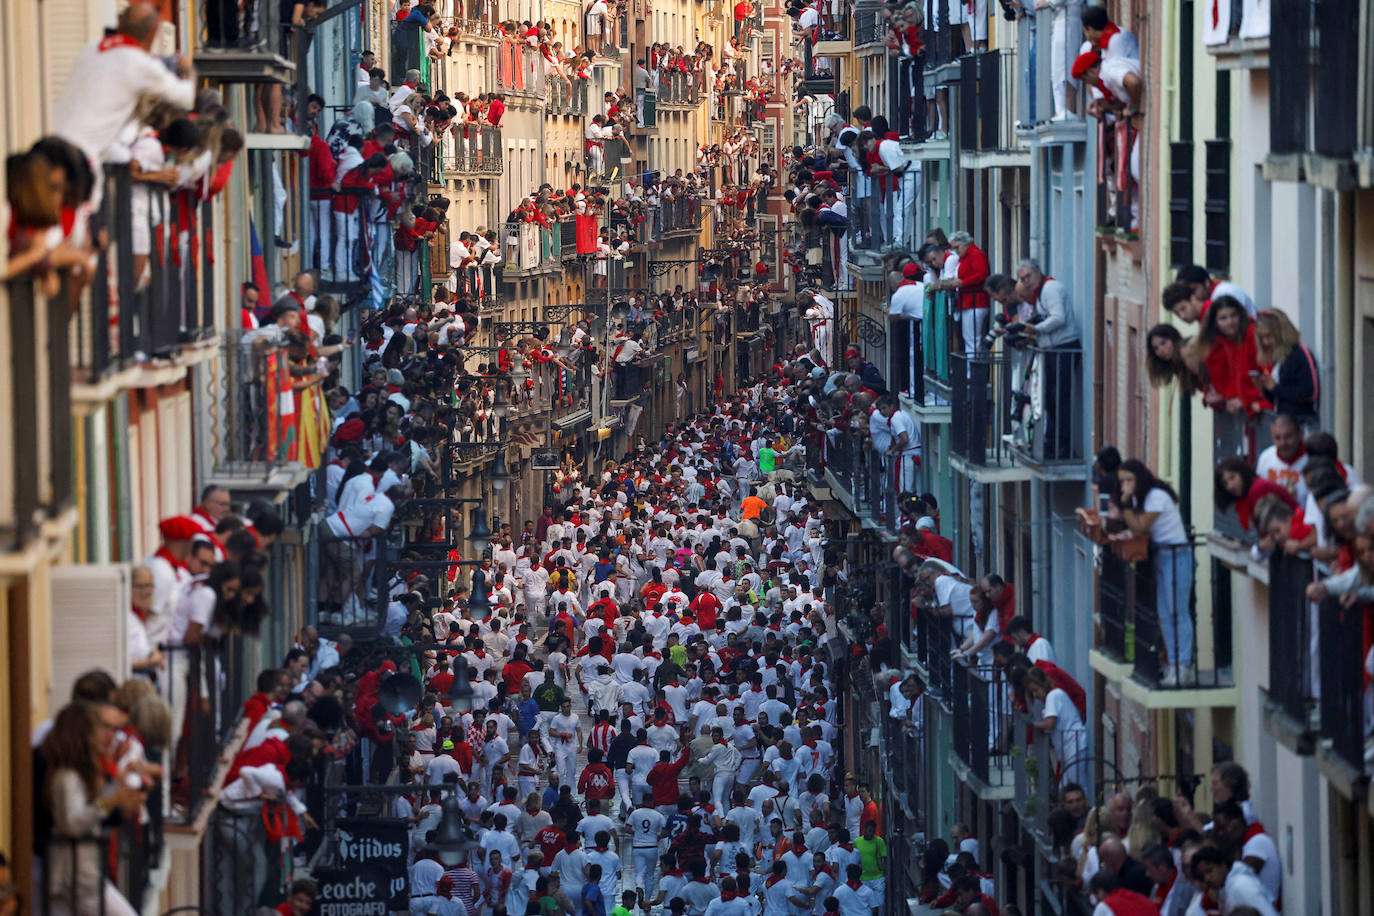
(1170, 678)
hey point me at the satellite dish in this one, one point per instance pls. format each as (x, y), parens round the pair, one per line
(400, 692)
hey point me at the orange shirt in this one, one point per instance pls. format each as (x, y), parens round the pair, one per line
(751, 506)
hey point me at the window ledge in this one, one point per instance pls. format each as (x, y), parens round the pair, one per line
(1241, 54)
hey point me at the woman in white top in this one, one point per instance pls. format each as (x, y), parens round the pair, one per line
(1150, 506)
(1060, 718)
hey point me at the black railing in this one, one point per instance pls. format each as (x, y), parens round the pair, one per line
(122, 856)
(981, 714)
(1046, 403)
(1291, 678)
(347, 236)
(207, 685)
(980, 95)
(251, 27)
(569, 98)
(1342, 657)
(1148, 615)
(981, 406)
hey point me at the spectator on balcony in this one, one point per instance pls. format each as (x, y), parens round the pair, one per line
(1002, 594)
(972, 298)
(1149, 506)
(1059, 54)
(1113, 896)
(971, 16)
(1061, 721)
(1207, 288)
(1169, 357)
(1250, 844)
(1034, 646)
(976, 646)
(80, 795)
(867, 372)
(1223, 878)
(1283, 461)
(112, 76)
(1109, 39)
(1120, 88)
(1235, 484)
(1288, 371)
(1279, 527)
(374, 90)
(1227, 337)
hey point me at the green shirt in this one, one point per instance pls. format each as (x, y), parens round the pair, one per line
(620, 911)
(870, 852)
(549, 696)
(678, 654)
(767, 460)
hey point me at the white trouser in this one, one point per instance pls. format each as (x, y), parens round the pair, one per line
(747, 768)
(545, 717)
(646, 864)
(1059, 64)
(527, 785)
(903, 203)
(971, 323)
(346, 231)
(622, 790)
(565, 760)
(722, 784)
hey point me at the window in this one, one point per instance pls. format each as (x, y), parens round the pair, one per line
(1216, 207)
(1180, 204)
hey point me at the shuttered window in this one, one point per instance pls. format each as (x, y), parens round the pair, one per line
(66, 28)
(92, 601)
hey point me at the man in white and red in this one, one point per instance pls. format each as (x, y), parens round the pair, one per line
(1109, 39)
(1283, 462)
(1034, 646)
(168, 566)
(603, 732)
(365, 65)
(214, 506)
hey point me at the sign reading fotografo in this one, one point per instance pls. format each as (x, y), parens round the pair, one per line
(353, 892)
(379, 845)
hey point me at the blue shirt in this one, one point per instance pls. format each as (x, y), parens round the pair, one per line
(593, 903)
(529, 716)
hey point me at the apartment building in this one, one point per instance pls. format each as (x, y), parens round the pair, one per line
(1245, 168)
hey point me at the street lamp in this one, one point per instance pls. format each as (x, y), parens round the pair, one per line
(460, 695)
(479, 535)
(500, 405)
(499, 475)
(453, 841)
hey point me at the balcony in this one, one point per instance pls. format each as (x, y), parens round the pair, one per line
(985, 390)
(920, 370)
(531, 249)
(1244, 43)
(1319, 131)
(1137, 633)
(1290, 710)
(568, 100)
(520, 71)
(933, 639)
(251, 439)
(987, 86)
(163, 293)
(343, 244)
(1036, 117)
(679, 90)
(859, 480)
(680, 218)
(873, 225)
(1047, 411)
(472, 28)
(253, 49)
(479, 154)
(982, 724)
(870, 28)
(1343, 751)
(209, 683)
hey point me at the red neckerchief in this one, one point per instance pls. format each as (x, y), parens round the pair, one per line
(1252, 831)
(141, 615)
(772, 879)
(1107, 35)
(854, 884)
(1162, 892)
(167, 555)
(118, 40)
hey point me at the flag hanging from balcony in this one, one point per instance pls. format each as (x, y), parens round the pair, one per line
(258, 266)
(376, 289)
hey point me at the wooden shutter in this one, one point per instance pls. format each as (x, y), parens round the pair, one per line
(67, 26)
(90, 609)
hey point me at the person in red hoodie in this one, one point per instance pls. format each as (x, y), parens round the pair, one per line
(1228, 337)
(662, 778)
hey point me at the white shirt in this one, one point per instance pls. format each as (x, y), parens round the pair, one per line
(1167, 528)
(1284, 473)
(646, 824)
(103, 90)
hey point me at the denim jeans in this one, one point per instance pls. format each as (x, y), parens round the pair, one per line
(1173, 585)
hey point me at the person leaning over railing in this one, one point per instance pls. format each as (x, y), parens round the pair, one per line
(80, 797)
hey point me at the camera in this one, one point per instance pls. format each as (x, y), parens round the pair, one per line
(999, 322)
